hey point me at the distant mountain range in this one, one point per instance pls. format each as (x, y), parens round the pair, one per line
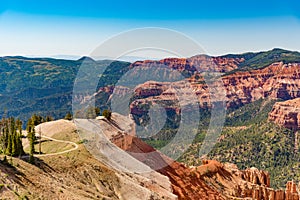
(44, 85)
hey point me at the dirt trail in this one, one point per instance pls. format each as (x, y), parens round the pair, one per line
(58, 153)
(48, 130)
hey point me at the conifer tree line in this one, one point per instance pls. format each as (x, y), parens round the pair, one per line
(11, 137)
(35, 120)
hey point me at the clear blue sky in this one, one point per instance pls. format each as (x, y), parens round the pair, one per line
(62, 27)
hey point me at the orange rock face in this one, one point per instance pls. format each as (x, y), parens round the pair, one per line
(276, 81)
(185, 184)
(199, 63)
(257, 177)
(286, 114)
(210, 181)
(291, 191)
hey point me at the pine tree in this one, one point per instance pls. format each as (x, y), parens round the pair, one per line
(49, 118)
(19, 126)
(9, 145)
(97, 111)
(20, 150)
(10, 137)
(31, 137)
(28, 127)
(14, 145)
(107, 114)
(68, 116)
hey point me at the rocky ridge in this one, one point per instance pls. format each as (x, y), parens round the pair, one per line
(199, 63)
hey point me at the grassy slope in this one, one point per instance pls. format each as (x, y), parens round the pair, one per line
(49, 146)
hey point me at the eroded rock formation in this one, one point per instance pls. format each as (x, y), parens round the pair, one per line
(276, 81)
(286, 114)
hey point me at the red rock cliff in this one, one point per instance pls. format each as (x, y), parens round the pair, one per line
(199, 63)
(286, 114)
(275, 81)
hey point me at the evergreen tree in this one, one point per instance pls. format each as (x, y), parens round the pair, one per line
(14, 145)
(9, 145)
(49, 118)
(97, 111)
(31, 137)
(10, 137)
(107, 114)
(68, 116)
(29, 126)
(19, 126)
(32, 122)
(20, 150)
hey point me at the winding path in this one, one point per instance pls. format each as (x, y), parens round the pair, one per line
(58, 153)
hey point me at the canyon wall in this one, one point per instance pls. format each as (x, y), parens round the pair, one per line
(286, 114)
(275, 81)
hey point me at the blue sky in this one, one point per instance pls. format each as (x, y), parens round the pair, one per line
(61, 27)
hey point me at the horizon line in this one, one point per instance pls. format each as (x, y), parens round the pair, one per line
(136, 58)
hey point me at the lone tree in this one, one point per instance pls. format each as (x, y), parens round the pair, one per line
(107, 114)
(68, 116)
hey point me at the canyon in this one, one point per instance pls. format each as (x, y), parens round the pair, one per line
(211, 180)
(234, 81)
